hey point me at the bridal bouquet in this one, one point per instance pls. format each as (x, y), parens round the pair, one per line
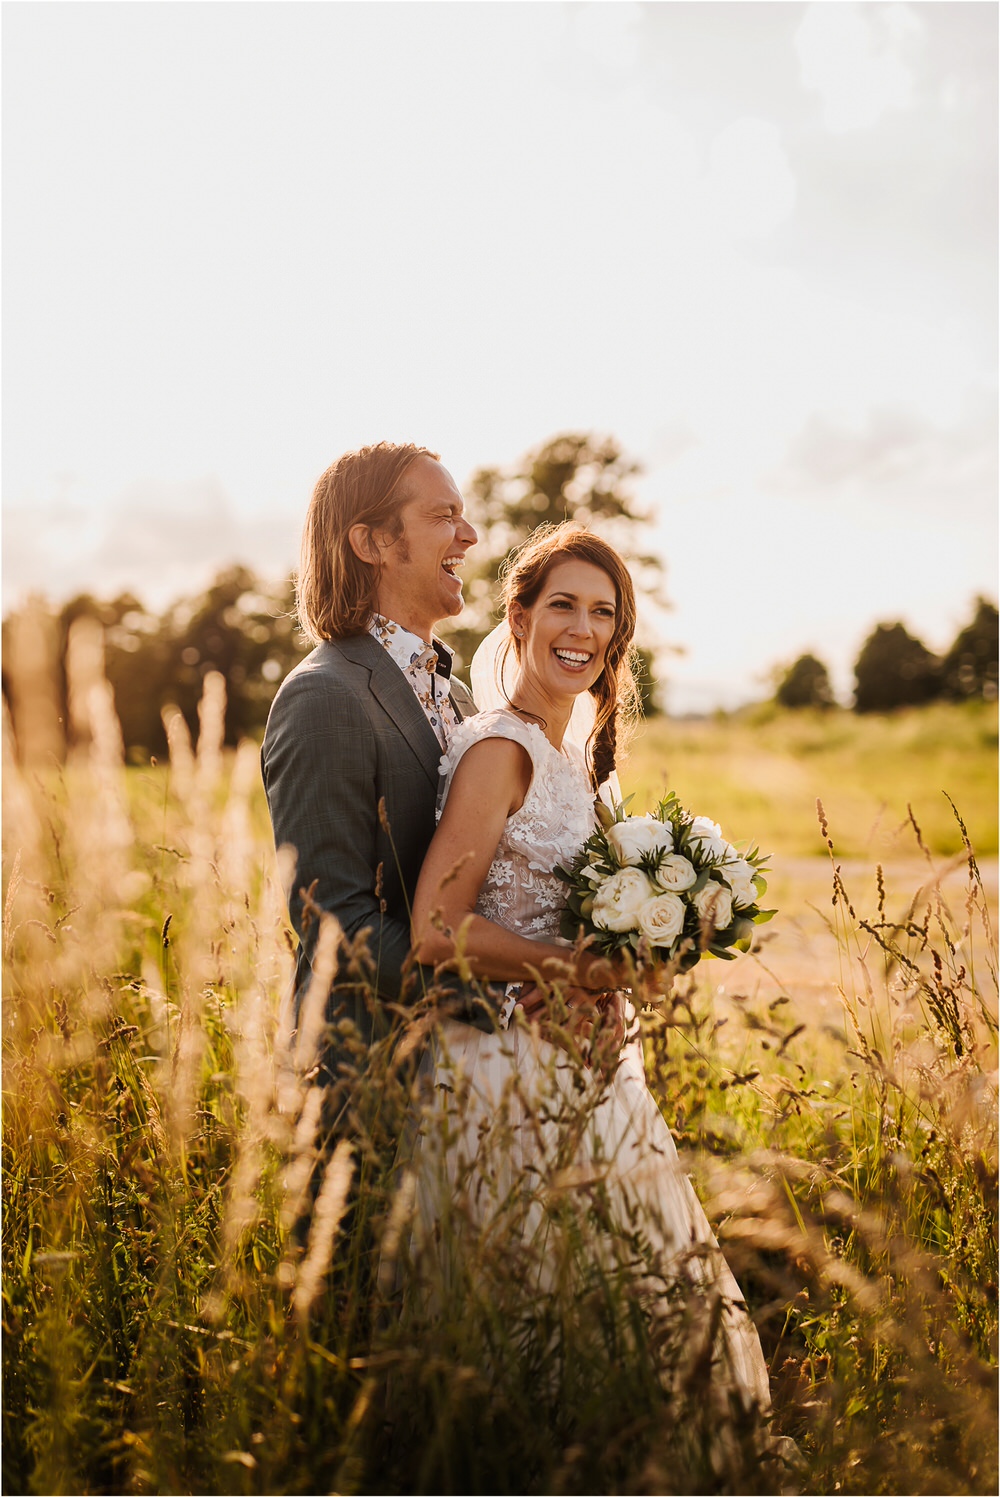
(667, 886)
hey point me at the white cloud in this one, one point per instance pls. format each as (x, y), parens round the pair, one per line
(160, 540)
(856, 57)
(609, 32)
(898, 458)
(750, 188)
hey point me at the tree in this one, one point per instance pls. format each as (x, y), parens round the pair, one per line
(244, 629)
(894, 669)
(136, 662)
(575, 476)
(969, 669)
(806, 683)
(239, 626)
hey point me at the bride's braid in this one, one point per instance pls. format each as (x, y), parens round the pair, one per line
(616, 696)
(603, 752)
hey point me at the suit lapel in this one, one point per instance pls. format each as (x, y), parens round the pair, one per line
(461, 700)
(396, 696)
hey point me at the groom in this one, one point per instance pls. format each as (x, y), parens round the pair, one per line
(356, 731)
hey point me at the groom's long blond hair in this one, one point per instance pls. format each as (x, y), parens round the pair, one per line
(336, 593)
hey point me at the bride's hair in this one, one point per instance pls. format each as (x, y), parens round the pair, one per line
(337, 592)
(615, 693)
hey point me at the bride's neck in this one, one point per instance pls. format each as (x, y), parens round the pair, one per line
(552, 714)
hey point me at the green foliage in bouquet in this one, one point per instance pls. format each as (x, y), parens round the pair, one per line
(667, 887)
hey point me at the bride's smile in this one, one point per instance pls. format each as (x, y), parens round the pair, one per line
(564, 635)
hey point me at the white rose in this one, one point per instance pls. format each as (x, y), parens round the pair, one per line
(706, 840)
(714, 903)
(638, 836)
(739, 877)
(661, 919)
(675, 874)
(619, 900)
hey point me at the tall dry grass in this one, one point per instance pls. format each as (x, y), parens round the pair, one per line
(206, 1292)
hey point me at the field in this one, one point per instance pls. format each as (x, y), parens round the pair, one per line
(172, 1321)
(884, 784)
(761, 772)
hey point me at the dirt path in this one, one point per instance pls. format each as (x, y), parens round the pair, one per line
(798, 953)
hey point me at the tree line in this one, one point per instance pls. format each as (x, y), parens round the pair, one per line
(895, 669)
(245, 628)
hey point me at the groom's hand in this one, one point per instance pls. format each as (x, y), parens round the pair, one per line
(533, 1001)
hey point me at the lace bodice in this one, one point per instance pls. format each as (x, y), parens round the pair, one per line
(557, 817)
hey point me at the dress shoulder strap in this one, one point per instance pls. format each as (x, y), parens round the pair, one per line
(499, 722)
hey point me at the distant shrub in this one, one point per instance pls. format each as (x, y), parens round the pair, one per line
(806, 683)
(894, 669)
(970, 667)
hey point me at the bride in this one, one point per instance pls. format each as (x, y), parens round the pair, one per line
(521, 1135)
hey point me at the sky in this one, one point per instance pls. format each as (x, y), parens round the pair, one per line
(755, 242)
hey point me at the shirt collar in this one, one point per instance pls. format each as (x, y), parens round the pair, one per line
(408, 649)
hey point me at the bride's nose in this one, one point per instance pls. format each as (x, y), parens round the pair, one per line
(581, 622)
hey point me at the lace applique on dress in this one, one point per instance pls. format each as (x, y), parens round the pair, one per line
(520, 891)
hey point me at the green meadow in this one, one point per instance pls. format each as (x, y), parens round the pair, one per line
(175, 1317)
(760, 772)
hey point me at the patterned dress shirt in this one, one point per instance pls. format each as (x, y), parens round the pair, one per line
(426, 667)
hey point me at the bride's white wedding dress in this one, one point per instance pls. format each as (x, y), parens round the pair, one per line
(514, 1124)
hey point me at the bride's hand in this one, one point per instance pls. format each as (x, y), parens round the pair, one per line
(535, 1002)
(613, 1020)
(597, 1020)
(603, 974)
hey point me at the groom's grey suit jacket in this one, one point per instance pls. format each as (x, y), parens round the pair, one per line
(345, 737)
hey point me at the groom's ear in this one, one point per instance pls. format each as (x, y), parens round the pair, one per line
(362, 543)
